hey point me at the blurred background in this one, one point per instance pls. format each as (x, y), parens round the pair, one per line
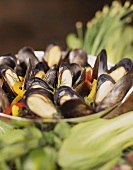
(37, 23)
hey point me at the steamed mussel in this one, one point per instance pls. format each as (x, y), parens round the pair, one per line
(58, 84)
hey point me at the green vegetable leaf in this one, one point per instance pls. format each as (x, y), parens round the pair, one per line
(4, 127)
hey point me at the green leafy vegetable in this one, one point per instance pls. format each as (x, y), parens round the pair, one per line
(93, 144)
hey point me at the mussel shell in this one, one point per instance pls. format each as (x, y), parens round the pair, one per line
(75, 108)
(8, 59)
(26, 53)
(29, 73)
(40, 70)
(36, 82)
(78, 56)
(53, 55)
(121, 68)
(9, 77)
(103, 78)
(51, 76)
(65, 75)
(39, 101)
(76, 71)
(84, 88)
(118, 92)
(4, 102)
(81, 78)
(100, 66)
(41, 66)
(125, 62)
(105, 84)
(64, 93)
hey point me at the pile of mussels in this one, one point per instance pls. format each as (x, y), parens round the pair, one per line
(56, 84)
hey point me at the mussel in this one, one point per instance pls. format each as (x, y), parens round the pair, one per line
(78, 56)
(121, 68)
(51, 76)
(65, 75)
(24, 55)
(9, 77)
(9, 60)
(114, 95)
(76, 70)
(65, 93)
(39, 101)
(53, 54)
(75, 108)
(37, 82)
(105, 84)
(40, 69)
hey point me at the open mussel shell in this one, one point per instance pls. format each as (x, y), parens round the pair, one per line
(123, 67)
(117, 93)
(38, 101)
(105, 84)
(40, 69)
(65, 75)
(9, 77)
(76, 71)
(63, 94)
(53, 54)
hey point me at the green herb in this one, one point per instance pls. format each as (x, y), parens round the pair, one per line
(5, 127)
(61, 83)
(110, 29)
(15, 79)
(52, 89)
(88, 100)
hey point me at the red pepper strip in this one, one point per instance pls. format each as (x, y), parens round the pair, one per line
(8, 110)
(20, 104)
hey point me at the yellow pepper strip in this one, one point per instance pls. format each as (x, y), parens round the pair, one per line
(93, 90)
(16, 99)
(17, 89)
(15, 110)
(21, 78)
